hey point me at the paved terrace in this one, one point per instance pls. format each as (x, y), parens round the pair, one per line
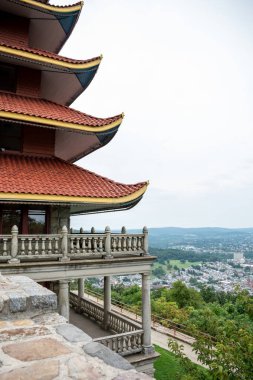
(37, 343)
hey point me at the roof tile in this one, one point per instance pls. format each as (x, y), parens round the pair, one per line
(49, 110)
(43, 53)
(51, 176)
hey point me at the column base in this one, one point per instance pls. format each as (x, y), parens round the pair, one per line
(64, 259)
(14, 261)
(148, 350)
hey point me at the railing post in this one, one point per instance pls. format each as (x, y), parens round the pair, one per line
(107, 301)
(14, 245)
(81, 230)
(145, 241)
(92, 231)
(123, 230)
(63, 298)
(146, 314)
(108, 254)
(64, 244)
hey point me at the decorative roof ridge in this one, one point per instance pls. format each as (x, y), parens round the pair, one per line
(45, 5)
(45, 54)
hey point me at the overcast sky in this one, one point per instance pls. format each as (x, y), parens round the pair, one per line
(181, 70)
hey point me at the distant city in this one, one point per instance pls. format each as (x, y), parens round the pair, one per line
(217, 257)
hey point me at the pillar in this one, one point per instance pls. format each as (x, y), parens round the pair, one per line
(63, 298)
(107, 300)
(146, 314)
(80, 287)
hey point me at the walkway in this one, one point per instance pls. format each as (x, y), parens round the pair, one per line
(87, 325)
(160, 334)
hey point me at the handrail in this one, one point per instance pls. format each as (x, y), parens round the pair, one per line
(66, 246)
(156, 319)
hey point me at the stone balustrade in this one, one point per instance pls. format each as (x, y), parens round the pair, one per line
(123, 344)
(15, 248)
(129, 335)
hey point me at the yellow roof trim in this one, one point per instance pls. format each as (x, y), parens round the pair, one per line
(56, 123)
(49, 7)
(53, 61)
(72, 199)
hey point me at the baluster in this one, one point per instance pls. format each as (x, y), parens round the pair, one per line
(5, 246)
(134, 243)
(84, 245)
(124, 244)
(71, 245)
(81, 230)
(92, 231)
(124, 344)
(89, 245)
(49, 248)
(113, 244)
(95, 245)
(100, 244)
(77, 245)
(129, 346)
(36, 246)
(29, 246)
(139, 239)
(56, 246)
(134, 342)
(43, 246)
(113, 344)
(120, 346)
(22, 246)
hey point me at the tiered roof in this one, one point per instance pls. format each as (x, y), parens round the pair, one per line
(41, 179)
(54, 180)
(51, 25)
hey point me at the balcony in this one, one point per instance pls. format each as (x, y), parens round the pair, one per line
(16, 248)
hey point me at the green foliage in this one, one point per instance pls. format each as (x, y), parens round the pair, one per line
(191, 370)
(167, 366)
(159, 272)
(178, 254)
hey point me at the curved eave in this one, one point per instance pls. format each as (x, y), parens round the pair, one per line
(59, 124)
(54, 8)
(50, 26)
(75, 66)
(61, 199)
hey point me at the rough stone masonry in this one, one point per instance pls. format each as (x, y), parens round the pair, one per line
(36, 343)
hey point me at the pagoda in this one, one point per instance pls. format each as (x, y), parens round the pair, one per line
(41, 137)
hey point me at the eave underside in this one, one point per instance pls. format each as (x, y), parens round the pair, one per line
(50, 26)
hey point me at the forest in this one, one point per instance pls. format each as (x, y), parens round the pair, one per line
(222, 324)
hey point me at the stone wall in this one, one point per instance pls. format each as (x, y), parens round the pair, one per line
(60, 216)
(36, 343)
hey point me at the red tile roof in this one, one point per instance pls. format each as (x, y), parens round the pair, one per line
(49, 110)
(43, 53)
(51, 176)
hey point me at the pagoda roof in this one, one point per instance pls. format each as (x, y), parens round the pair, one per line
(50, 26)
(39, 111)
(50, 180)
(63, 79)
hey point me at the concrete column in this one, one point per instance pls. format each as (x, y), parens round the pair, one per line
(146, 314)
(107, 300)
(80, 287)
(63, 298)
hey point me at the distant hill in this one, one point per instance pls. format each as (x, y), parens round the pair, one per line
(165, 237)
